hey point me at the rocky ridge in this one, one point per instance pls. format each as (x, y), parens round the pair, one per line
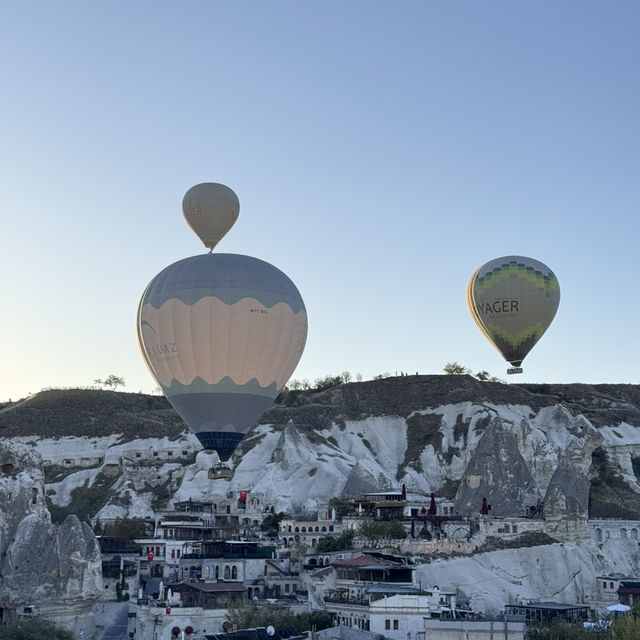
(439, 434)
(54, 570)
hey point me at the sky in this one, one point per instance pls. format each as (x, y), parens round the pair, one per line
(381, 152)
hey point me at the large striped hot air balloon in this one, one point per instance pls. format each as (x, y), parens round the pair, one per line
(221, 334)
(513, 300)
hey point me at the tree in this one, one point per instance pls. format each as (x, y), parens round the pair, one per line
(560, 629)
(391, 530)
(331, 543)
(33, 629)
(327, 544)
(485, 376)
(341, 505)
(298, 550)
(321, 384)
(270, 523)
(254, 616)
(345, 540)
(627, 628)
(455, 369)
(112, 381)
(126, 528)
(121, 594)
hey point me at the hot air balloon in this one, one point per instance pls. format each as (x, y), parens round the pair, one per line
(513, 300)
(210, 209)
(221, 334)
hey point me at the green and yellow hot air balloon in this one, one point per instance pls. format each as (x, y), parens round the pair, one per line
(513, 300)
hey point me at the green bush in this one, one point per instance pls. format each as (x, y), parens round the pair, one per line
(33, 629)
(391, 530)
(253, 616)
(331, 543)
(271, 522)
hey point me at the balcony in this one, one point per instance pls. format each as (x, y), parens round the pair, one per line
(353, 602)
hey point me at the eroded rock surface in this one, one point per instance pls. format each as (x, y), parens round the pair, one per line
(55, 569)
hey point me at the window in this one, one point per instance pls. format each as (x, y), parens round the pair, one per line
(286, 587)
(395, 625)
(227, 573)
(387, 625)
(514, 528)
(155, 454)
(170, 454)
(138, 455)
(234, 572)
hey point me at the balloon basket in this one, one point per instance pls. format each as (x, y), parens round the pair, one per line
(220, 470)
(514, 370)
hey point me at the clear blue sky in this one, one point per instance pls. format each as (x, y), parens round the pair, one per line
(381, 152)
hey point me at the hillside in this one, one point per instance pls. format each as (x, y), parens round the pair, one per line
(572, 444)
(56, 413)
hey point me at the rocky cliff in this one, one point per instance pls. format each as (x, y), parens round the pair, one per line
(575, 448)
(45, 569)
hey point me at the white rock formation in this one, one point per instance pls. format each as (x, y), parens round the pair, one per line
(54, 570)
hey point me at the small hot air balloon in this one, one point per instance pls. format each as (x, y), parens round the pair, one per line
(210, 209)
(513, 300)
(221, 334)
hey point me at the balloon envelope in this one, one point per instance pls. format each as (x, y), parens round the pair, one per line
(221, 334)
(210, 209)
(513, 300)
